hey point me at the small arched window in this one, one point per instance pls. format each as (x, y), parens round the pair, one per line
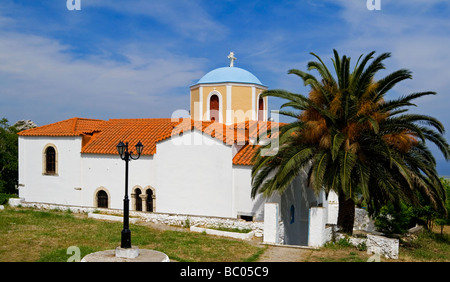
(138, 200)
(214, 108)
(50, 160)
(102, 199)
(260, 109)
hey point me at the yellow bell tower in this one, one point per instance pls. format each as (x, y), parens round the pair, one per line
(228, 95)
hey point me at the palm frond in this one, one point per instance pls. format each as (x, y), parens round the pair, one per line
(387, 83)
(403, 101)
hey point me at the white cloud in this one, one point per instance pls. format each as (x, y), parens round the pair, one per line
(417, 39)
(43, 82)
(417, 35)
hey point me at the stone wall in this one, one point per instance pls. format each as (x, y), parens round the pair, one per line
(15, 202)
(378, 245)
(191, 220)
(363, 221)
(387, 247)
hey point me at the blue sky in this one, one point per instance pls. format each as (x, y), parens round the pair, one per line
(137, 58)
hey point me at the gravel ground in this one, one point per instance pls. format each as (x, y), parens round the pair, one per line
(284, 254)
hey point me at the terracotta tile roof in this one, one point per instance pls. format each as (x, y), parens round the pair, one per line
(102, 137)
(240, 133)
(69, 127)
(245, 155)
(257, 128)
(148, 131)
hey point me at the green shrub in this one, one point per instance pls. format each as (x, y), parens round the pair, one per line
(4, 197)
(187, 223)
(394, 221)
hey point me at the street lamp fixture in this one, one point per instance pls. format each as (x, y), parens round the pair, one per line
(122, 149)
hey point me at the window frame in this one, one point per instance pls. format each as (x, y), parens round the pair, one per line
(45, 170)
(216, 112)
(104, 199)
(101, 188)
(208, 105)
(151, 197)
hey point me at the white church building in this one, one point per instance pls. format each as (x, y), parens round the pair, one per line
(193, 166)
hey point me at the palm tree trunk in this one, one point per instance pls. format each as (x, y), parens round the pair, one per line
(346, 214)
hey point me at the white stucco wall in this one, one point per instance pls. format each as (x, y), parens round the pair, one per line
(244, 204)
(242, 187)
(38, 187)
(108, 171)
(79, 175)
(194, 175)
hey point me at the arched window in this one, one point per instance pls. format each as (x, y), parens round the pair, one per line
(260, 109)
(50, 160)
(138, 200)
(214, 108)
(102, 199)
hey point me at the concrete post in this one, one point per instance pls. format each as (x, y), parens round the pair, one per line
(271, 223)
(316, 230)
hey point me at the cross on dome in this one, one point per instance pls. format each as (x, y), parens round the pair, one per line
(232, 58)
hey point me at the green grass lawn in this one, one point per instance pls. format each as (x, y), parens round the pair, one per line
(429, 246)
(30, 235)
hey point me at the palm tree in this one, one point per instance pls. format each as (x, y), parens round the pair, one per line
(353, 141)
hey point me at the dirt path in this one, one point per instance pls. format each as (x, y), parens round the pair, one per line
(285, 254)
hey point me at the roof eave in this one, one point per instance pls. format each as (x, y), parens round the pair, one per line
(224, 82)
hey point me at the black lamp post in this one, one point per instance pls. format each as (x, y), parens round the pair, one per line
(127, 156)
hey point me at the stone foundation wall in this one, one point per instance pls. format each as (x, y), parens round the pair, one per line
(192, 220)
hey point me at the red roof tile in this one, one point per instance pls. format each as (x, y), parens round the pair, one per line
(102, 137)
(69, 127)
(245, 155)
(148, 131)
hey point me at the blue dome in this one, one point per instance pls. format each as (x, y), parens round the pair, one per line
(229, 74)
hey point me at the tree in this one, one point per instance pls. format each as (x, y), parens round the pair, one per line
(353, 141)
(8, 157)
(442, 218)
